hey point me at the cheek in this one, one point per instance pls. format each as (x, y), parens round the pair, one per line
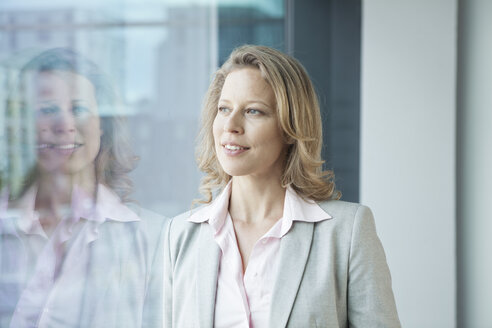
(276, 142)
(216, 130)
(93, 148)
(43, 123)
(270, 134)
(90, 125)
(90, 131)
(41, 126)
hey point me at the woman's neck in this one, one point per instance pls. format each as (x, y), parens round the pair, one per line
(54, 194)
(54, 190)
(256, 199)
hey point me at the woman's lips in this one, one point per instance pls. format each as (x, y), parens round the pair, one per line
(233, 149)
(63, 149)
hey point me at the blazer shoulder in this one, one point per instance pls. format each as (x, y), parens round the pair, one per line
(181, 223)
(151, 219)
(347, 215)
(151, 225)
(342, 209)
(180, 230)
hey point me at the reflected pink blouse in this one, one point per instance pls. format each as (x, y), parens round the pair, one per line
(57, 265)
(244, 300)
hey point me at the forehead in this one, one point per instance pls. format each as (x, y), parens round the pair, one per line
(246, 82)
(49, 83)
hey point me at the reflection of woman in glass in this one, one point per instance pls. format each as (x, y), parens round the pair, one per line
(274, 248)
(73, 254)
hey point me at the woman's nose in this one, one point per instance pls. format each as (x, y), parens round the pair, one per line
(63, 122)
(234, 123)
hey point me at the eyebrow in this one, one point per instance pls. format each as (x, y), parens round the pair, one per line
(248, 103)
(45, 102)
(53, 101)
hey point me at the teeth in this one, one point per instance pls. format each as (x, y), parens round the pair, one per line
(69, 146)
(64, 147)
(231, 147)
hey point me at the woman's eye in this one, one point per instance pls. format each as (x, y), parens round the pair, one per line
(254, 111)
(224, 109)
(46, 110)
(80, 110)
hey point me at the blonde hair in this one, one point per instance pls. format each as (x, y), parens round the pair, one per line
(115, 159)
(299, 119)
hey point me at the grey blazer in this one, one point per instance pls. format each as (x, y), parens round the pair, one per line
(332, 273)
(122, 286)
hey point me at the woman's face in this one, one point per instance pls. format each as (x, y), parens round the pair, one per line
(67, 122)
(247, 135)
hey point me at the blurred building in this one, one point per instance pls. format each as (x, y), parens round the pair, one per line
(240, 25)
(24, 34)
(164, 133)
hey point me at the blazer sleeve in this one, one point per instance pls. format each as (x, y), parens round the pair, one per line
(168, 281)
(371, 301)
(152, 313)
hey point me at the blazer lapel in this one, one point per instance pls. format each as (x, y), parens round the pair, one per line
(294, 252)
(207, 273)
(104, 266)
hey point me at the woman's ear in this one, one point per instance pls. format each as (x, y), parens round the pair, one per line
(289, 140)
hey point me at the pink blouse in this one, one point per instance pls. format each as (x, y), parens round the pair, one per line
(47, 275)
(244, 300)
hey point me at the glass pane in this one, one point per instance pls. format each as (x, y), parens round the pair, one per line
(250, 22)
(99, 109)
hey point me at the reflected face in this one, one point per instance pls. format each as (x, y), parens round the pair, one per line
(67, 121)
(247, 135)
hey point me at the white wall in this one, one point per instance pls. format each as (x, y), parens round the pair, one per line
(476, 159)
(408, 116)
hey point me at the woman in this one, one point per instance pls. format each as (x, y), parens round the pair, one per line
(73, 253)
(274, 248)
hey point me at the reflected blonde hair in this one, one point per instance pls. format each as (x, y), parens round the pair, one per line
(115, 159)
(299, 118)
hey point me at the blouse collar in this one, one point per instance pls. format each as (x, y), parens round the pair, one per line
(107, 207)
(295, 209)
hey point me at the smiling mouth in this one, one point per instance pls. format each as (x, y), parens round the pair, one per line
(234, 150)
(71, 146)
(235, 147)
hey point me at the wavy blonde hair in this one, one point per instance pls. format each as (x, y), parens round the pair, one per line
(115, 159)
(299, 118)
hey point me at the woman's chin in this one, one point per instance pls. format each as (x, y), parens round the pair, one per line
(69, 167)
(236, 171)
